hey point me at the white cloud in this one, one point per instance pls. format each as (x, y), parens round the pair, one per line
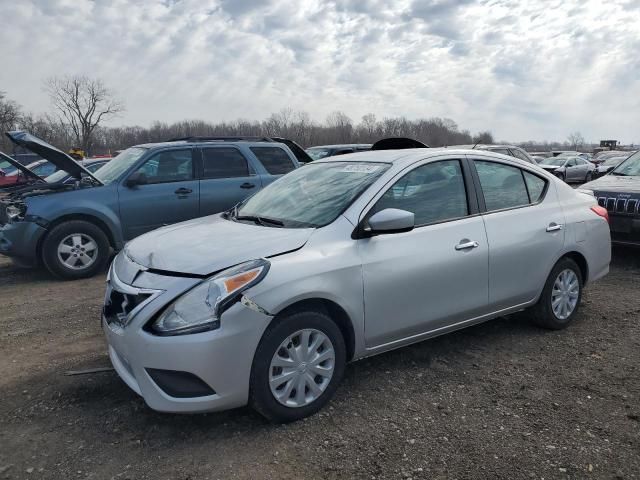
(525, 70)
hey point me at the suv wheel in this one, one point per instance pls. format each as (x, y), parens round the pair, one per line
(561, 296)
(75, 249)
(297, 366)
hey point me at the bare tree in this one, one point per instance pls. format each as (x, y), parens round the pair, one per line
(9, 116)
(83, 103)
(576, 140)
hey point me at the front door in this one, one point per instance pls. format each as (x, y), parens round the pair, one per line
(525, 229)
(433, 276)
(169, 195)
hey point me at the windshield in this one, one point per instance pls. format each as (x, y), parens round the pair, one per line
(120, 164)
(630, 167)
(552, 161)
(310, 196)
(318, 153)
(613, 161)
(56, 177)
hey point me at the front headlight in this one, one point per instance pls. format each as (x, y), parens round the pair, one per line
(200, 308)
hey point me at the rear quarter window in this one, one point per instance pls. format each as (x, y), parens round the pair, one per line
(274, 159)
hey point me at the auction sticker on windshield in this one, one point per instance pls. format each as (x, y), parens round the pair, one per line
(360, 168)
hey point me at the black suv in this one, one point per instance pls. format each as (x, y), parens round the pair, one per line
(619, 193)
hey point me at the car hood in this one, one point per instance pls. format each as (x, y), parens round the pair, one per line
(27, 173)
(206, 245)
(614, 183)
(51, 153)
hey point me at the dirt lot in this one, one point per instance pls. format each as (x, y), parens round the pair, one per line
(500, 400)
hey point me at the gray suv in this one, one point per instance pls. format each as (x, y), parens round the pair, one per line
(71, 228)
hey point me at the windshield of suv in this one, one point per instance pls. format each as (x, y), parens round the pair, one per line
(613, 161)
(119, 164)
(553, 161)
(318, 153)
(310, 196)
(630, 167)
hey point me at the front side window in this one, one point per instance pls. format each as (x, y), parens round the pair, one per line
(168, 166)
(434, 192)
(503, 186)
(274, 159)
(224, 162)
(311, 196)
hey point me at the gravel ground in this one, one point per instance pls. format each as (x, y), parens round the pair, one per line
(499, 400)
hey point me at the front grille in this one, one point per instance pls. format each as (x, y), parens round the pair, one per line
(119, 305)
(620, 205)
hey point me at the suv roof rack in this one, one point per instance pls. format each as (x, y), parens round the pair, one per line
(222, 139)
(297, 150)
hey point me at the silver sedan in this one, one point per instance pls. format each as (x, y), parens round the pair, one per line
(342, 259)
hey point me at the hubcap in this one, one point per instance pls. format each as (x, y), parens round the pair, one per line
(302, 367)
(565, 293)
(77, 251)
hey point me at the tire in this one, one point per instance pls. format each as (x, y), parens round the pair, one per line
(261, 396)
(589, 177)
(61, 245)
(543, 313)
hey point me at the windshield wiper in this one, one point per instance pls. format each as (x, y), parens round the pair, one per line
(264, 221)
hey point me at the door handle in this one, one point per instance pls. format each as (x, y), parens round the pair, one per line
(554, 227)
(247, 185)
(467, 244)
(183, 191)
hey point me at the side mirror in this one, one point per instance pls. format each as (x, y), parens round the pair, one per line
(391, 220)
(136, 178)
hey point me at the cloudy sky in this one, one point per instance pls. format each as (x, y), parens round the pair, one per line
(522, 69)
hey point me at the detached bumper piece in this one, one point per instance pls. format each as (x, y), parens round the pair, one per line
(178, 384)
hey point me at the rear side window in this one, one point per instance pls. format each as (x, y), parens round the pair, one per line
(503, 186)
(275, 160)
(535, 186)
(518, 154)
(434, 192)
(223, 163)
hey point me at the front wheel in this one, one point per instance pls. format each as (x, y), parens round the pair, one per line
(75, 249)
(589, 177)
(561, 296)
(297, 367)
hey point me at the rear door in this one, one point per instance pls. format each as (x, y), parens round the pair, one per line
(169, 195)
(275, 161)
(573, 170)
(226, 178)
(525, 230)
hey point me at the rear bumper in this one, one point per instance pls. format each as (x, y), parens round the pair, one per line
(20, 242)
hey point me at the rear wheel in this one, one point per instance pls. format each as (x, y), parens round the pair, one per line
(75, 249)
(297, 366)
(561, 296)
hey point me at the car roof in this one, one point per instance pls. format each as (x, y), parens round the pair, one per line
(207, 142)
(342, 145)
(412, 155)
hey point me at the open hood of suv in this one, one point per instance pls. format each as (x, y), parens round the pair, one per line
(206, 245)
(51, 153)
(25, 171)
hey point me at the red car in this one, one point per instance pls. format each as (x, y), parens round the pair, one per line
(13, 173)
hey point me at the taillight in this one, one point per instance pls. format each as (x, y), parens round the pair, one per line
(600, 211)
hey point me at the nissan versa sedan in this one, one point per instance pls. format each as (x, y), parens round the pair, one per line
(345, 258)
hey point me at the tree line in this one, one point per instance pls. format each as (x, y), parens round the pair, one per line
(82, 105)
